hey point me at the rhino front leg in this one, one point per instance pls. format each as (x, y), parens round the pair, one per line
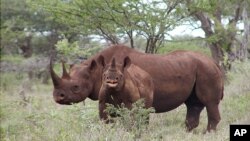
(102, 114)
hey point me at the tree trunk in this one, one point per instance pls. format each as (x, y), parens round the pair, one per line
(52, 40)
(26, 47)
(147, 46)
(218, 56)
(242, 53)
(131, 39)
(222, 39)
(151, 45)
(216, 52)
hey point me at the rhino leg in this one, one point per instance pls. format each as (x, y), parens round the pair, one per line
(102, 114)
(211, 99)
(193, 116)
(213, 116)
(194, 108)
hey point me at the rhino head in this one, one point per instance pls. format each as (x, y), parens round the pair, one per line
(75, 86)
(113, 74)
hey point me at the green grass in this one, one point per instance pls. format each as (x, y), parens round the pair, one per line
(30, 114)
(12, 58)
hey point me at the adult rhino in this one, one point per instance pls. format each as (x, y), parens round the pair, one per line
(178, 77)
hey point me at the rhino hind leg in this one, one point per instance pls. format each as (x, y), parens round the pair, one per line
(194, 108)
(213, 116)
(193, 117)
(211, 100)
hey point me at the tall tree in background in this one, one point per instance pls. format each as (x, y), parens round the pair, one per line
(156, 19)
(14, 22)
(245, 46)
(120, 19)
(21, 25)
(25, 21)
(219, 19)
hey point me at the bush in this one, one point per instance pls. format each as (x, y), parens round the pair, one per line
(135, 119)
(74, 50)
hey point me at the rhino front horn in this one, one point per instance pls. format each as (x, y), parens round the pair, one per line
(113, 63)
(55, 78)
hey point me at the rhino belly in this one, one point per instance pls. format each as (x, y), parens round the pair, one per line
(164, 102)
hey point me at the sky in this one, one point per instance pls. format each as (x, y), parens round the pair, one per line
(187, 30)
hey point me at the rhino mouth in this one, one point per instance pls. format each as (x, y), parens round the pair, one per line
(63, 102)
(112, 84)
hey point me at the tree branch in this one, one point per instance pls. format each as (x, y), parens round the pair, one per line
(205, 21)
(237, 13)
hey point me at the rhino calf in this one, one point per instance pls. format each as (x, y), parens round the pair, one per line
(124, 83)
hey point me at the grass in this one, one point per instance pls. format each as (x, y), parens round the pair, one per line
(12, 58)
(30, 114)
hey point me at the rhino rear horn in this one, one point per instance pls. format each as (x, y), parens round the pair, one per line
(65, 74)
(55, 78)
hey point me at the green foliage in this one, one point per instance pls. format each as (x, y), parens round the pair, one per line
(73, 50)
(135, 119)
(13, 21)
(41, 45)
(18, 21)
(219, 19)
(9, 79)
(116, 20)
(204, 5)
(64, 47)
(15, 59)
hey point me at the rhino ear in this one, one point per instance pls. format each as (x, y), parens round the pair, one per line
(126, 62)
(101, 61)
(92, 65)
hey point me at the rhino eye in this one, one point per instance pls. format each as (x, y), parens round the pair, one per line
(75, 88)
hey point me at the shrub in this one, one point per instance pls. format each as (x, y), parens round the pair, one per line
(135, 119)
(75, 50)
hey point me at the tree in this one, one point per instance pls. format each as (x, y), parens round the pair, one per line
(242, 53)
(22, 26)
(14, 22)
(219, 19)
(117, 20)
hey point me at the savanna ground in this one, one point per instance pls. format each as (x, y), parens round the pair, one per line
(28, 113)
